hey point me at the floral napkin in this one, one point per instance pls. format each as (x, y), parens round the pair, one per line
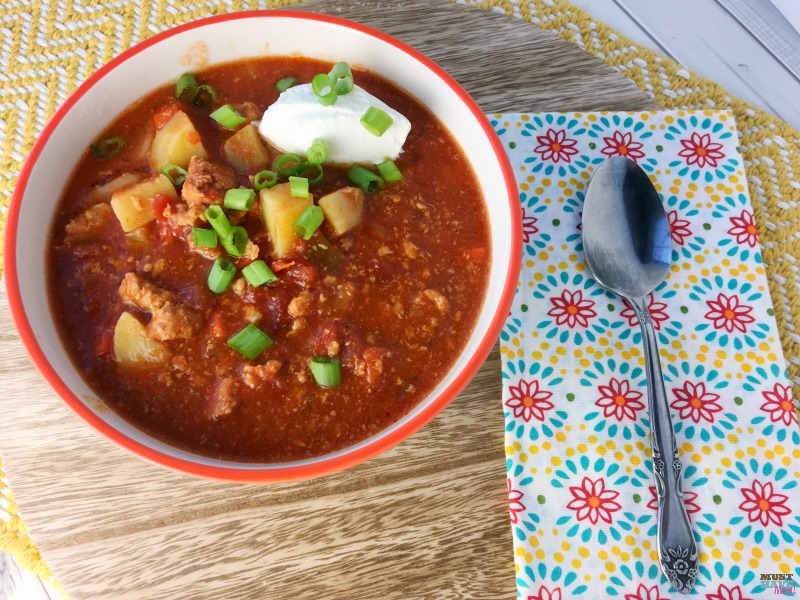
(580, 483)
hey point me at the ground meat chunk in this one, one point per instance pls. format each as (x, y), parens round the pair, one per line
(183, 215)
(222, 400)
(438, 300)
(299, 304)
(255, 375)
(89, 225)
(370, 365)
(248, 110)
(171, 320)
(206, 183)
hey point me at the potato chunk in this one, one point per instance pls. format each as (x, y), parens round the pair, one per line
(133, 204)
(176, 143)
(280, 211)
(245, 150)
(133, 346)
(102, 193)
(343, 208)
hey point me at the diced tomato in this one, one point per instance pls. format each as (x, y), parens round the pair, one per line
(164, 114)
(476, 254)
(280, 265)
(103, 343)
(217, 327)
(193, 137)
(160, 202)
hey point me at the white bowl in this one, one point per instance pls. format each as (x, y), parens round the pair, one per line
(160, 60)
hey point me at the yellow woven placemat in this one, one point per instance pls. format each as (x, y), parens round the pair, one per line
(51, 47)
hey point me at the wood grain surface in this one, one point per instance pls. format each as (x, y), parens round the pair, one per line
(428, 519)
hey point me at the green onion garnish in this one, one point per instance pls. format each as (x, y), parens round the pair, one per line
(236, 242)
(342, 78)
(315, 170)
(239, 199)
(317, 152)
(298, 186)
(323, 88)
(326, 371)
(221, 274)
(389, 171)
(284, 83)
(205, 96)
(228, 117)
(308, 222)
(204, 238)
(174, 173)
(186, 89)
(365, 179)
(108, 147)
(216, 217)
(286, 164)
(376, 121)
(264, 179)
(250, 341)
(258, 273)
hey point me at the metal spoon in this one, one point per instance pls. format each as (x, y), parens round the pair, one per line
(628, 248)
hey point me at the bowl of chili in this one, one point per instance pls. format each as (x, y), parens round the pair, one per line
(39, 279)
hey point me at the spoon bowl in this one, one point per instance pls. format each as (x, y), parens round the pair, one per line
(628, 248)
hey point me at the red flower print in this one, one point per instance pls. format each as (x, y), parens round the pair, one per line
(529, 228)
(528, 401)
(678, 228)
(617, 399)
(779, 404)
(622, 144)
(689, 499)
(593, 501)
(725, 593)
(572, 309)
(545, 594)
(656, 310)
(645, 593)
(699, 150)
(728, 314)
(555, 146)
(695, 403)
(515, 505)
(744, 228)
(763, 504)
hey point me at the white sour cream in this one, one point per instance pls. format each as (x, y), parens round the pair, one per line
(297, 118)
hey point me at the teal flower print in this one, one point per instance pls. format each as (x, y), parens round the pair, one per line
(555, 150)
(741, 240)
(702, 155)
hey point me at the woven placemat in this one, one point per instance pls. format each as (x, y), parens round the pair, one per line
(50, 48)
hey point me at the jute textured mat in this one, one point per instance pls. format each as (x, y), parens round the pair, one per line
(48, 49)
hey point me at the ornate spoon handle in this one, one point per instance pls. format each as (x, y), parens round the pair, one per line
(676, 547)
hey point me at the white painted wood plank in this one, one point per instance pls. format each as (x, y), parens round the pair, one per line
(770, 27)
(706, 38)
(18, 584)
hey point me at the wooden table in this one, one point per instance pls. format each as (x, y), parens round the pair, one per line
(429, 519)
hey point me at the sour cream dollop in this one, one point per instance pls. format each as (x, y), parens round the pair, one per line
(297, 118)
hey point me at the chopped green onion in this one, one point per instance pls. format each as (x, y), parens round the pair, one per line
(228, 117)
(205, 96)
(236, 242)
(376, 121)
(258, 273)
(365, 179)
(250, 341)
(204, 238)
(389, 171)
(221, 274)
(342, 78)
(303, 168)
(308, 222)
(284, 83)
(323, 88)
(317, 152)
(286, 164)
(298, 186)
(239, 199)
(186, 88)
(174, 173)
(326, 371)
(216, 217)
(108, 147)
(264, 179)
